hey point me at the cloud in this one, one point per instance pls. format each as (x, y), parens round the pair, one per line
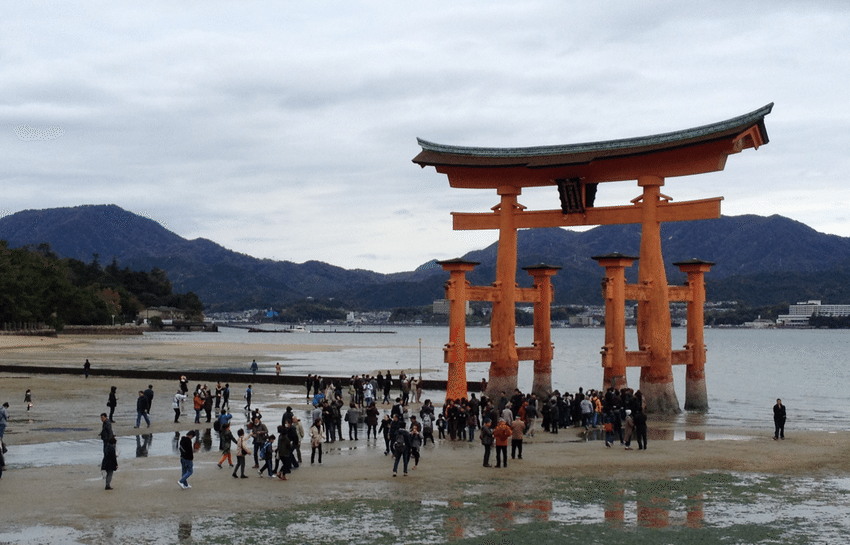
(290, 133)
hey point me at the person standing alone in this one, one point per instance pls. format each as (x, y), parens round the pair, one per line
(779, 420)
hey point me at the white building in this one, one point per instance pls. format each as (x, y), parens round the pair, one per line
(799, 314)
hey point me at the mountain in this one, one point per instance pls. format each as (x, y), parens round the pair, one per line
(760, 260)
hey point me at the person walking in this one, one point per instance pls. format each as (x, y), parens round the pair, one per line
(187, 456)
(110, 460)
(142, 408)
(254, 367)
(178, 398)
(87, 368)
(149, 395)
(242, 451)
(779, 420)
(225, 398)
(112, 402)
(248, 394)
(401, 449)
(225, 438)
(415, 444)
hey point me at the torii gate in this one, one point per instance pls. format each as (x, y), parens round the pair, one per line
(576, 170)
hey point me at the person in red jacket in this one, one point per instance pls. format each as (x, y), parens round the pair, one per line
(502, 433)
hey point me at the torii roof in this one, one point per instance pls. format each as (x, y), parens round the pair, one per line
(690, 151)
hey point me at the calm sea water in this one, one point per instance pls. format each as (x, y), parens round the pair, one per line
(746, 370)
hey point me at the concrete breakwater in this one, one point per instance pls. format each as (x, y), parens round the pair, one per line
(201, 376)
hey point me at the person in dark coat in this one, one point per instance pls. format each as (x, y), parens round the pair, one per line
(110, 461)
(112, 403)
(639, 418)
(779, 420)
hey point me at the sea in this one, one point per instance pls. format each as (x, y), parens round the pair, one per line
(746, 371)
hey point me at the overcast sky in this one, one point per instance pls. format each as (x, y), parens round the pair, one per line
(286, 130)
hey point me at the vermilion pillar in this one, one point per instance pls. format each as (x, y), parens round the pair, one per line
(614, 293)
(505, 364)
(696, 398)
(456, 348)
(653, 327)
(542, 383)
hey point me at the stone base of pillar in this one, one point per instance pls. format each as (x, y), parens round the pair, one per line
(618, 382)
(696, 398)
(497, 385)
(660, 397)
(542, 385)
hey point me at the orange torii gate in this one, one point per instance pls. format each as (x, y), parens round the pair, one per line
(576, 170)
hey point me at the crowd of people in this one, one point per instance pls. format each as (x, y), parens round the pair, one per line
(497, 422)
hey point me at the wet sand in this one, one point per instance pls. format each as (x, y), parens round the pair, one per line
(67, 408)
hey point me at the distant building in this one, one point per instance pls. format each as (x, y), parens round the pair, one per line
(799, 314)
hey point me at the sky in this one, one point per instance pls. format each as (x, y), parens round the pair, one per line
(286, 131)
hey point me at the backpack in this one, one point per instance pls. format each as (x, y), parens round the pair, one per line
(264, 450)
(217, 425)
(398, 446)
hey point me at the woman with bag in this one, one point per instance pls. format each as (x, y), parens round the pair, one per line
(316, 440)
(242, 450)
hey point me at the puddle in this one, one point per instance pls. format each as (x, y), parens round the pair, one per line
(702, 508)
(598, 434)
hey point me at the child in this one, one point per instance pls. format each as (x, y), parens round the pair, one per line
(28, 399)
(441, 426)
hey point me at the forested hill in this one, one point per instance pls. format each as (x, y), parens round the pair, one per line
(760, 260)
(38, 287)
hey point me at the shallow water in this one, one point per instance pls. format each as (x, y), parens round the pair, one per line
(746, 369)
(699, 508)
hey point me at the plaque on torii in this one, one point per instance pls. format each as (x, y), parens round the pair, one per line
(576, 170)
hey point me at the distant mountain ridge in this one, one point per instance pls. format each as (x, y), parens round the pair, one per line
(760, 260)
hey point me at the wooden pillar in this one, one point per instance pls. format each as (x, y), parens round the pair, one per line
(696, 398)
(653, 327)
(541, 384)
(456, 347)
(505, 364)
(614, 293)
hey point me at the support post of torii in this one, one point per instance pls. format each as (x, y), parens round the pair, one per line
(456, 347)
(696, 398)
(504, 366)
(653, 319)
(541, 384)
(614, 293)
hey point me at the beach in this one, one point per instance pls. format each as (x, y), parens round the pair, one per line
(66, 413)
